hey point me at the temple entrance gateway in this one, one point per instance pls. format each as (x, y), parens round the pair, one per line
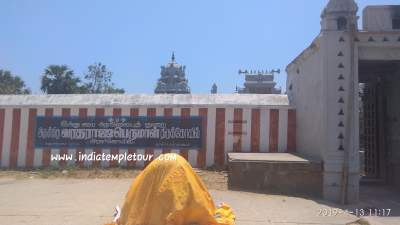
(354, 103)
(379, 119)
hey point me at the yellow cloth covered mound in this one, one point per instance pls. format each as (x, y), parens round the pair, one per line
(169, 192)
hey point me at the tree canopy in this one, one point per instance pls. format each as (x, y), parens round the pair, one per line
(12, 84)
(98, 79)
(59, 79)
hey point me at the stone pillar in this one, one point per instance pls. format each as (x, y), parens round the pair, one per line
(340, 154)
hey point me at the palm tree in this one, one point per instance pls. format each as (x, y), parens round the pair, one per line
(59, 79)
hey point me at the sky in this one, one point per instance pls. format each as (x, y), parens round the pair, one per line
(213, 38)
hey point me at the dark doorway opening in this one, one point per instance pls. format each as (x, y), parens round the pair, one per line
(379, 88)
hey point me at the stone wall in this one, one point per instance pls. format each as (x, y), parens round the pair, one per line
(305, 91)
(231, 122)
(294, 177)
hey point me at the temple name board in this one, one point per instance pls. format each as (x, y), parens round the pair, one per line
(119, 131)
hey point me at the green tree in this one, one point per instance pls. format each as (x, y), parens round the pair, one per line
(99, 80)
(59, 79)
(12, 84)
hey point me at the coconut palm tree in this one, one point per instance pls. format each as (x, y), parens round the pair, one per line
(59, 79)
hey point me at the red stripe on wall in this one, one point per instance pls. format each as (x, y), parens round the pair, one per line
(185, 114)
(133, 113)
(48, 112)
(237, 129)
(151, 112)
(115, 151)
(201, 155)
(255, 130)
(291, 132)
(2, 115)
(273, 130)
(79, 150)
(97, 150)
(30, 148)
(219, 152)
(65, 112)
(167, 114)
(16, 122)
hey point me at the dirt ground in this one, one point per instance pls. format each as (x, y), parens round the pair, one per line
(88, 197)
(216, 180)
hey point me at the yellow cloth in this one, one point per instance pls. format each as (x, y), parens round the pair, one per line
(169, 192)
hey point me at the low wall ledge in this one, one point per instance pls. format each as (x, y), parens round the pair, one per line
(162, 100)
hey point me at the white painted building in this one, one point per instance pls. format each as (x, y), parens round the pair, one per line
(324, 83)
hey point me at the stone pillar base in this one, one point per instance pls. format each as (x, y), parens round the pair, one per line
(332, 187)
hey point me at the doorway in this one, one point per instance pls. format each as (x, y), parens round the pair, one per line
(379, 113)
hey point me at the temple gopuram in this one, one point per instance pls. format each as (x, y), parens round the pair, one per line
(173, 79)
(259, 82)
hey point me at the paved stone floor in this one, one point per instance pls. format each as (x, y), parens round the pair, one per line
(91, 202)
(380, 197)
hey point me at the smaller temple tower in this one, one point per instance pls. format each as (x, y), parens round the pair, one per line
(214, 89)
(173, 79)
(259, 82)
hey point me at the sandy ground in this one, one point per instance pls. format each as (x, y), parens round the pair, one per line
(27, 198)
(213, 179)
